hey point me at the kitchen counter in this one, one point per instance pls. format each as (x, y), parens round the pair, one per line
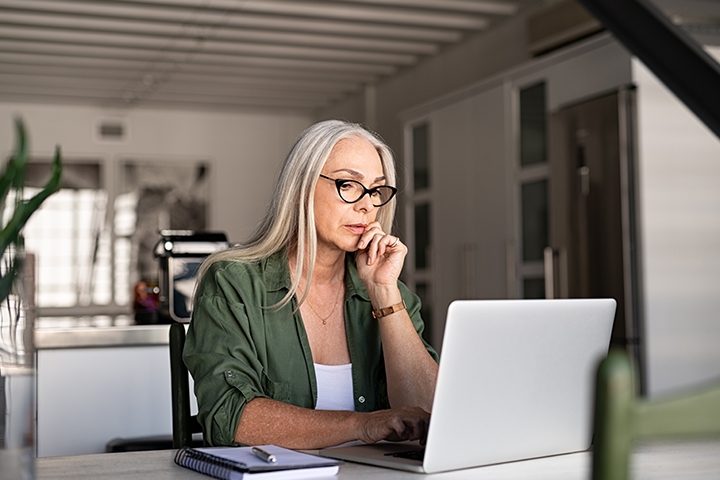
(105, 336)
(98, 379)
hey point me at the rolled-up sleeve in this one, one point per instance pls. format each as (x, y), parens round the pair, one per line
(414, 306)
(222, 358)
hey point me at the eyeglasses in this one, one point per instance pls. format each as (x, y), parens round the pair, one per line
(351, 191)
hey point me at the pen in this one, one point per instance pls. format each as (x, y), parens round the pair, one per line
(266, 456)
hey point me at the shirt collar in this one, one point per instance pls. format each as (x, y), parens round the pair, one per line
(277, 272)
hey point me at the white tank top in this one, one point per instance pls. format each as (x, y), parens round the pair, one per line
(334, 387)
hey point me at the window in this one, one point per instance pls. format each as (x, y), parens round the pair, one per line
(422, 236)
(70, 237)
(418, 204)
(532, 183)
(421, 160)
(93, 242)
(534, 201)
(533, 125)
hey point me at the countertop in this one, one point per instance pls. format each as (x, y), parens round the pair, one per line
(88, 333)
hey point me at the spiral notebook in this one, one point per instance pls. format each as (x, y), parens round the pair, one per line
(235, 463)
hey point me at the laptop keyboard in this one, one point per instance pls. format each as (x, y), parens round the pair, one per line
(408, 454)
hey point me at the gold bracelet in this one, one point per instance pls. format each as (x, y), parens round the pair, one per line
(384, 312)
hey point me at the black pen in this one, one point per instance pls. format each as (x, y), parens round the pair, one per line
(266, 456)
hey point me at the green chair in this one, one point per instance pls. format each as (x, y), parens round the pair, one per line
(184, 424)
(620, 417)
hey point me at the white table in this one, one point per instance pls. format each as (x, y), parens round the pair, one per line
(692, 460)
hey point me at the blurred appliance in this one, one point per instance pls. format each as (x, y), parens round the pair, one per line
(180, 254)
(594, 249)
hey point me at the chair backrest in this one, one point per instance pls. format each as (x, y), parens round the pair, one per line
(621, 417)
(184, 424)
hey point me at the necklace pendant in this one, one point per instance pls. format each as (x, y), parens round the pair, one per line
(325, 322)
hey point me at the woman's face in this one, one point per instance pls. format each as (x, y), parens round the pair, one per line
(340, 224)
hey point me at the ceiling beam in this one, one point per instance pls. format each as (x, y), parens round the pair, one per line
(323, 10)
(205, 103)
(82, 64)
(166, 30)
(59, 76)
(467, 6)
(172, 57)
(213, 19)
(194, 45)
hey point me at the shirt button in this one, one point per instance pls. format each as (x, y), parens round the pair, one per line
(361, 399)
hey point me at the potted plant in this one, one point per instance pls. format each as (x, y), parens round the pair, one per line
(16, 333)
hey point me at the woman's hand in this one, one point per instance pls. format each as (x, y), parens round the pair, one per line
(380, 257)
(398, 424)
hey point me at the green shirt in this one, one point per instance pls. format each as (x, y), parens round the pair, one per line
(238, 347)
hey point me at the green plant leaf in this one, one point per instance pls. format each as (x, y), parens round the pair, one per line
(6, 281)
(14, 176)
(27, 207)
(15, 166)
(19, 178)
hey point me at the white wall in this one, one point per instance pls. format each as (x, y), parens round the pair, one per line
(244, 149)
(679, 162)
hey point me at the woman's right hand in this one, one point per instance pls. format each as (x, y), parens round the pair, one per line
(397, 424)
(266, 421)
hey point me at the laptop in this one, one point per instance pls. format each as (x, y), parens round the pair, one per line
(516, 381)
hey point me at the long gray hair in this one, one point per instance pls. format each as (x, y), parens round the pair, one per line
(290, 220)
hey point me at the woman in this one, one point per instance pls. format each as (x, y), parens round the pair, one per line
(304, 337)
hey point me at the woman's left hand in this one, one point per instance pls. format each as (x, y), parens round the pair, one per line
(380, 257)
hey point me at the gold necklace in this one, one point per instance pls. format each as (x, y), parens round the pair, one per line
(324, 320)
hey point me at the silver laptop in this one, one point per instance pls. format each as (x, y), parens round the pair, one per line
(516, 381)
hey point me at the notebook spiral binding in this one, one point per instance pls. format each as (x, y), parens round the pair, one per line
(206, 464)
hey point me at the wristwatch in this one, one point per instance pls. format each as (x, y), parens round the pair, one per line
(384, 312)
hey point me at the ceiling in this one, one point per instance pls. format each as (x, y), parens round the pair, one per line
(230, 54)
(263, 54)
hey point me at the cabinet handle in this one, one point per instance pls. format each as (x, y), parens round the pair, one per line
(549, 268)
(584, 174)
(555, 266)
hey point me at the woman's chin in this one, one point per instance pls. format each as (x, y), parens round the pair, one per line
(348, 246)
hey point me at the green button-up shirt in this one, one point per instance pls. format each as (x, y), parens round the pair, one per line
(239, 347)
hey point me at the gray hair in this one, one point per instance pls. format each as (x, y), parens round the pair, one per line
(290, 219)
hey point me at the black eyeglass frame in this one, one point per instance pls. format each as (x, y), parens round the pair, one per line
(366, 191)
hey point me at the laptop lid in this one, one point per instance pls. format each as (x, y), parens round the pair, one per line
(516, 381)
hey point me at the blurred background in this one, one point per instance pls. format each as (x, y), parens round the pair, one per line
(539, 157)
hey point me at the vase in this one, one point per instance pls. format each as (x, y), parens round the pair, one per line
(17, 379)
